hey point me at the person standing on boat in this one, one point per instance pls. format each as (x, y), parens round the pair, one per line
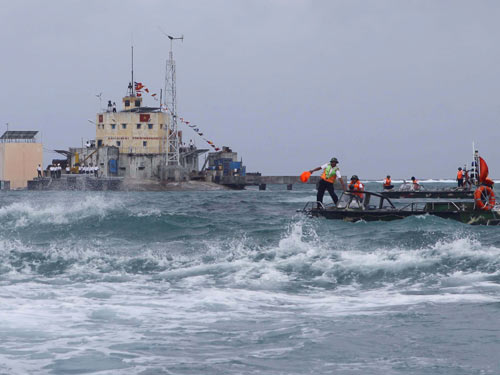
(460, 177)
(39, 170)
(467, 181)
(388, 183)
(415, 184)
(330, 173)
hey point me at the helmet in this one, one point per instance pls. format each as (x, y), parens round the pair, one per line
(412, 178)
(354, 177)
(388, 176)
(459, 168)
(334, 160)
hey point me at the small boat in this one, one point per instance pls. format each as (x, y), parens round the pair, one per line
(378, 207)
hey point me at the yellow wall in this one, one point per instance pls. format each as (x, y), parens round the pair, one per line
(131, 139)
(19, 161)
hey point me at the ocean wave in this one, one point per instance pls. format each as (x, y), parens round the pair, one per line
(54, 211)
(300, 255)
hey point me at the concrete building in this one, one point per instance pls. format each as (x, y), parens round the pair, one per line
(131, 143)
(135, 129)
(20, 155)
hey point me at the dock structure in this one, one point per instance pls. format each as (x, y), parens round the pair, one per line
(76, 182)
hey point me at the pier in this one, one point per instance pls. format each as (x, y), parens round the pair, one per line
(76, 182)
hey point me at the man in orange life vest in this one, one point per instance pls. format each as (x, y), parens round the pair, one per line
(356, 186)
(460, 177)
(416, 185)
(330, 173)
(388, 183)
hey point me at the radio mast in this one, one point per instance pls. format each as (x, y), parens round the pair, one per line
(172, 151)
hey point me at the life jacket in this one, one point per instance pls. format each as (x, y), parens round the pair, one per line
(330, 173)
(357, 186)
(387, 182)
(415, 183)
(460, 175)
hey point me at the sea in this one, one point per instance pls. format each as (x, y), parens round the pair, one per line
(239, 282)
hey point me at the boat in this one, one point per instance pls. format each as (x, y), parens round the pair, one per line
(437, 193)
(378, 207)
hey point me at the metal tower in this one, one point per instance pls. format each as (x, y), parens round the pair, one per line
(172, 151)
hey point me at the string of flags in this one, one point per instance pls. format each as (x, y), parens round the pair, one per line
(198, 131)
(140, 89)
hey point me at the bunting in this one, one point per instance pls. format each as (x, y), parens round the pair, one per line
(197, 130)
(141, 89)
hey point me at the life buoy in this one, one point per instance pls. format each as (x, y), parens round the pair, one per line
(484, 198)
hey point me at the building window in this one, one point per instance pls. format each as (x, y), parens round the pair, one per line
(127, 103)
(144, 143)
(137, 103)
(99, 142)
(124, 126)
(113, 126)
(161, 126)
(138, 126)
(118, 143)
(150, 126)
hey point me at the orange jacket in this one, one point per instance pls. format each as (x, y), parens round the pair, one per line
(387, 182)
(357, 186)
(460, 175)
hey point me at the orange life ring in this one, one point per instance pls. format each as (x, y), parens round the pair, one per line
(484, 198)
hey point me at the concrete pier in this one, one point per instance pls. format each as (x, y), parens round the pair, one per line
(76, 182)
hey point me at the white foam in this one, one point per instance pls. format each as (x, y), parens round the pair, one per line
(55, 211)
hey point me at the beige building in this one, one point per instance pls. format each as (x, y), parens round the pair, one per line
(20, 156)
(135, 129)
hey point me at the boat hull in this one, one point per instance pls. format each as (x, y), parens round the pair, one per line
(475, 217)
(460, 194)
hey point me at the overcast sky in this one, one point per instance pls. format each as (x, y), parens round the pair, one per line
(398, 87)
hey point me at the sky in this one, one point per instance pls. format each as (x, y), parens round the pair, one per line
(399, 87)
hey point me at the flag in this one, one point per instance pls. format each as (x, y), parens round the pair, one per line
(483, 169)
(146, 89)
(182, 119)
(196, 129)
(187, 122)
(210, 143)
(217, 149)
(200, 134)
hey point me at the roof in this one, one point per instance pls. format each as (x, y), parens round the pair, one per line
(14, 134)
(143, 109)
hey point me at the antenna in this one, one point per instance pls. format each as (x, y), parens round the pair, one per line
(172, 149)
(100, 101)
(132, 93)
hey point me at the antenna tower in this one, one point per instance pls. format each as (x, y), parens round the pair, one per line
(172, 151)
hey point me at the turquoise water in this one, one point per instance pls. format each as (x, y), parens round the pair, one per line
(238, 282)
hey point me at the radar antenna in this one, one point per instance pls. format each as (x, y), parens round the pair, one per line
(172, 149)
